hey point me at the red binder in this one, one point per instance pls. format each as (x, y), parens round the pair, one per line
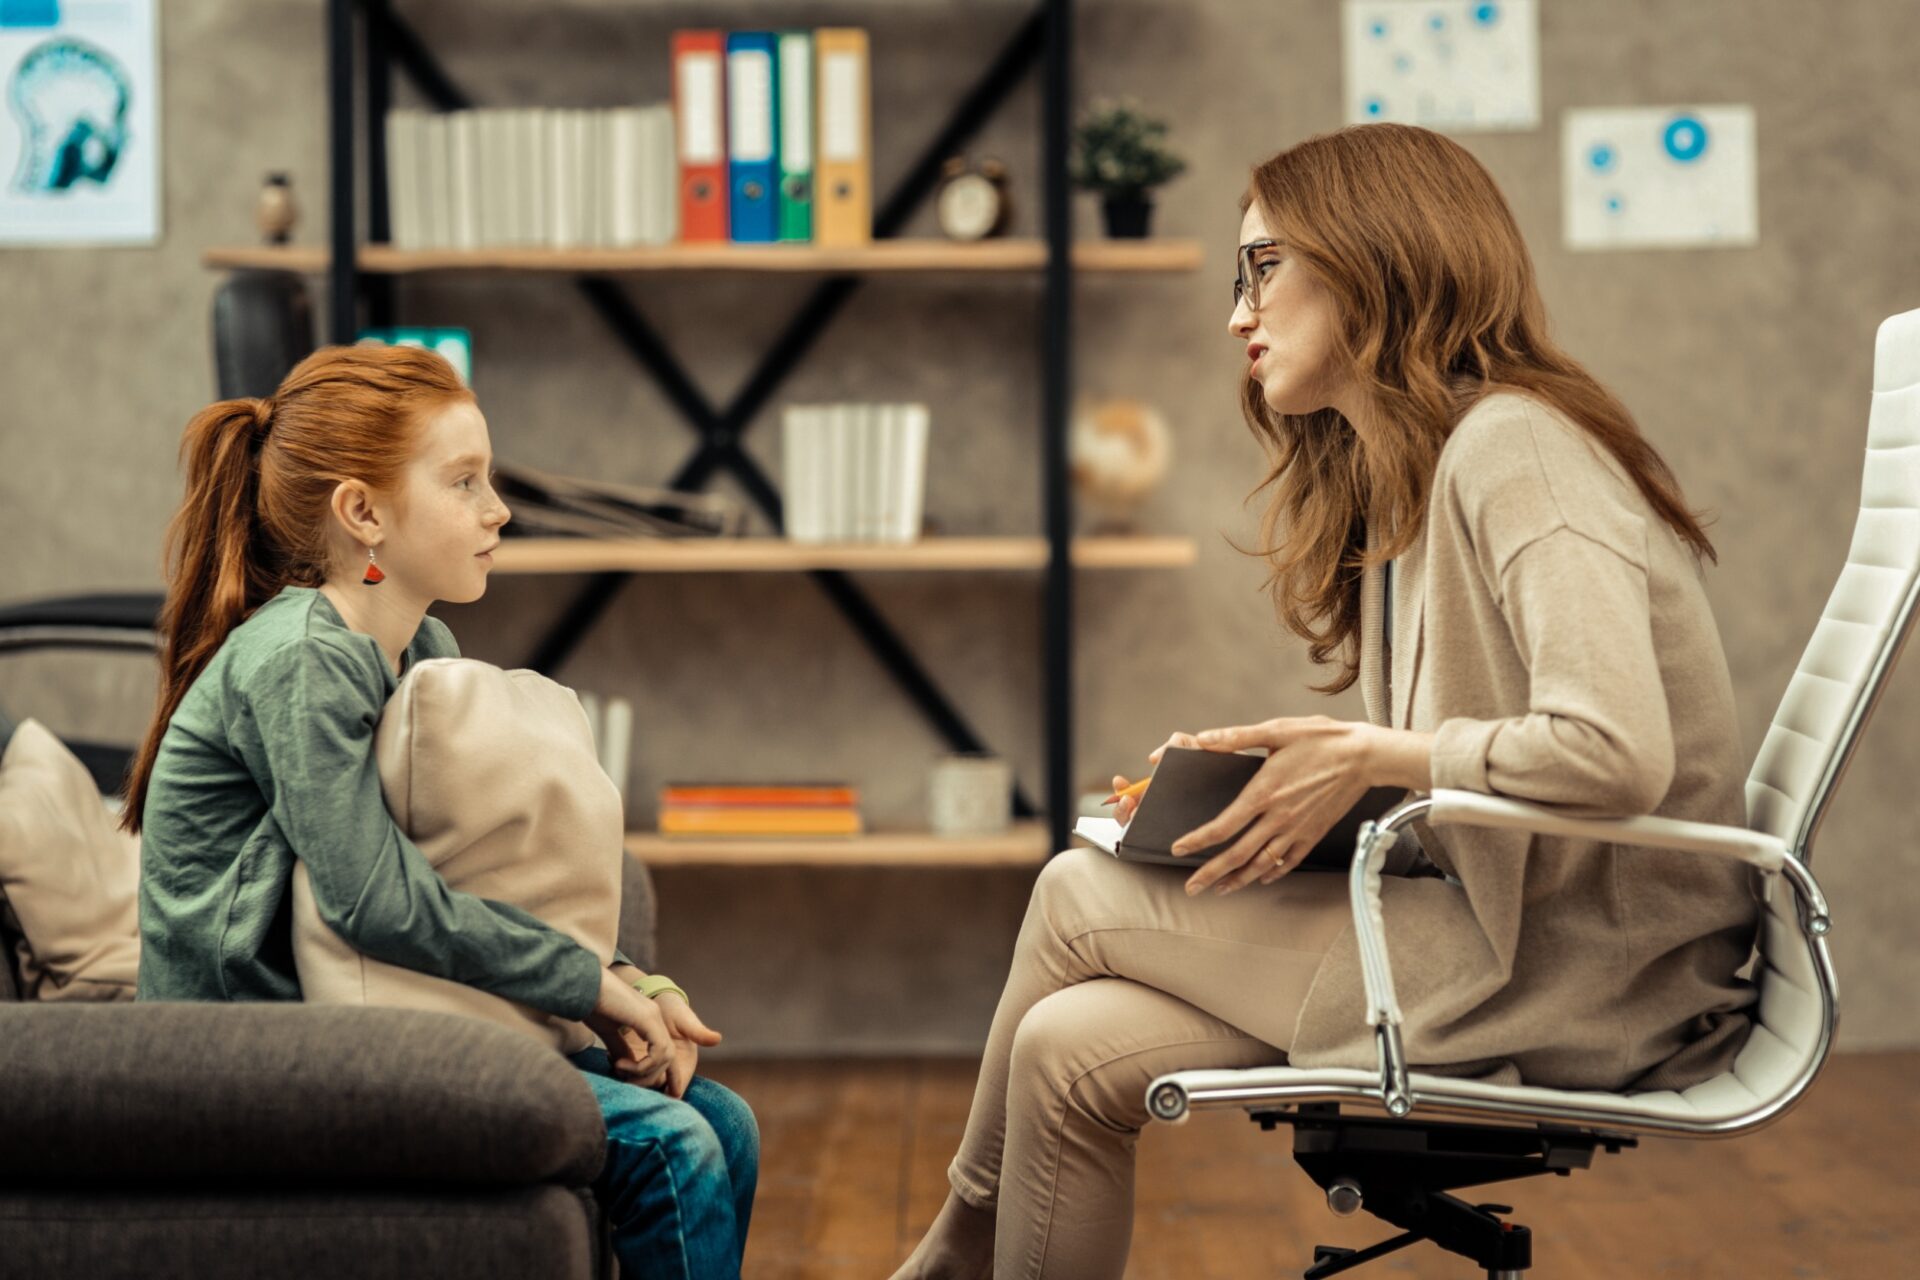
(700, 114)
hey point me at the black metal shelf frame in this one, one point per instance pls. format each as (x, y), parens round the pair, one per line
(1045, 37)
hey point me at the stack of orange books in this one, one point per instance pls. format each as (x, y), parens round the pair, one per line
(780, 809)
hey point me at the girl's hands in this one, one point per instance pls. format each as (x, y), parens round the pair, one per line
(689, 1034)
(634, 1031)
(1315, 771)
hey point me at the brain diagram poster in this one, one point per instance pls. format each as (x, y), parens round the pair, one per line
(79, 122)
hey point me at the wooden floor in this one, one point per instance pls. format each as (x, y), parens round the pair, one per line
(855, 1156)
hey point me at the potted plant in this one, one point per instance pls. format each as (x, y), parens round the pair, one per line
(1119, 153)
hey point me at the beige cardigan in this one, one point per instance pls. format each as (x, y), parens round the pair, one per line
(1553, 631)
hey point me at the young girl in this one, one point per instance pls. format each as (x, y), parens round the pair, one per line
(318, 527)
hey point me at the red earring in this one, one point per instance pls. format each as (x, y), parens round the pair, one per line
(374, 576)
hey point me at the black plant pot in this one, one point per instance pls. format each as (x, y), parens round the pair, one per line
(1128, 214)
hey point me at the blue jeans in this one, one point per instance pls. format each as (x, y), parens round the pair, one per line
(678, 1183)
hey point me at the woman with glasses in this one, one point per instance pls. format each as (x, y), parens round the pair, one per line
(1465, 523)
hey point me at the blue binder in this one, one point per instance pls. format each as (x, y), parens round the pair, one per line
(753, 126)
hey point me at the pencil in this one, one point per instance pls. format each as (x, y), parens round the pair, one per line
(1132, 789)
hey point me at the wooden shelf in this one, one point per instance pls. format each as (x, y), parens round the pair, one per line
(1024, 845)
(778, 555)
(1024, 255)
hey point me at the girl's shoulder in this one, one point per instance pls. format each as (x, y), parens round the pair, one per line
(433, 640)
(294, 645)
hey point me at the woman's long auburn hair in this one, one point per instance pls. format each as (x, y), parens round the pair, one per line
(1438, 308)
(260, 482)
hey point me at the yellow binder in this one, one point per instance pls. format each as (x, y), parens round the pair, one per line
(843, 182)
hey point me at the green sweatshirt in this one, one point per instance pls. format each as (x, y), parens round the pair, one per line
(269, 758)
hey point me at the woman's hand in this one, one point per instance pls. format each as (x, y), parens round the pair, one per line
(1123, 808)
(689, 1034)
(635, 1032)
(1317, 768)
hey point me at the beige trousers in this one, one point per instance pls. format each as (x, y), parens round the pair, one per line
(1118, 976)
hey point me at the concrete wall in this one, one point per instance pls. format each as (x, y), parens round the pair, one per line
(1749, 368)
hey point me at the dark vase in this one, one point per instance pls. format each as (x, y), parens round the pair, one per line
(1128, 214)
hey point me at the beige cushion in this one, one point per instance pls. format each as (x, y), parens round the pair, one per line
(68, 875)
(493, 775)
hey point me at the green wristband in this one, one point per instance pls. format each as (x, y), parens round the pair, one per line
(655, 985)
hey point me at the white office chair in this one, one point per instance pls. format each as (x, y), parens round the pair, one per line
(1399, 1166)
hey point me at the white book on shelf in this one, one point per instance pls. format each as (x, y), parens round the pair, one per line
(584, 187)
(664, 179)
(885, 469)
(559, 183)
(820, 462)
(838, 432)
(911, 476)
(487, 167)
(799, 447)
(519, 220)
(870, 471)
(636, 151)
(569, 135)
(614, 150)
(506, 177)
(616, 742)
(471, 134)
(874, 427)
(539, 175)
(646, 146)
(646, 159)
(586, 126)
(790, 455)
(448, 200)
(396, 143)
(403, 179)
(859, 452)
(509, 185)
(437, 180)
(853, 480)
(465, 144)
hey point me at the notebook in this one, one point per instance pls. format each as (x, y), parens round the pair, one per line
(1192, 787)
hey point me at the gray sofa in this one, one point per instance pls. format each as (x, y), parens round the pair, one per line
(211, 1140)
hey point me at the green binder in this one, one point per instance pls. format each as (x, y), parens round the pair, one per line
(794, 55)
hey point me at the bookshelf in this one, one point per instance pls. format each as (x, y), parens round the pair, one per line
(370, 44)
(882, 256)
(1025, 844)
(777, 555)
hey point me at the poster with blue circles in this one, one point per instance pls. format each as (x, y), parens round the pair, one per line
(79, 122)
(1660, 177)
(1458, 65)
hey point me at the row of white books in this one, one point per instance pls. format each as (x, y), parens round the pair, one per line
(543, 176)
(855, 472)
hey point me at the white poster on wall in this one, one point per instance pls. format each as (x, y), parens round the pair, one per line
(1660, 177)
(1445, 64)
(79, 122)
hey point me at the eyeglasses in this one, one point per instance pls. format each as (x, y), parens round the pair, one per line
(1246, 280)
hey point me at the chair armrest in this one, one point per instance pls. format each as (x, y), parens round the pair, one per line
(1475, 809)
(287, 1093)
(1446, 806)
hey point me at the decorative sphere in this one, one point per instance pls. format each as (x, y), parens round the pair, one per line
(1118, 450)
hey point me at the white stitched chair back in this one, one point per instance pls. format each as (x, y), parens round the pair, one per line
(1817, 722)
